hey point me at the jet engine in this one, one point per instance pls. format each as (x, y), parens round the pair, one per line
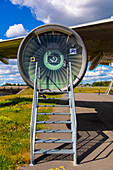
(52, 46)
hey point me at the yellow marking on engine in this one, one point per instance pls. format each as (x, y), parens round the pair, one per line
(32, 59)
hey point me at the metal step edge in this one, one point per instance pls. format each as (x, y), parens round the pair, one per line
(53, 105)
(53, 92)
(53, 98)
(54, 151)
(53, 113)
(54, 122)
(53, 141)
(53, 131)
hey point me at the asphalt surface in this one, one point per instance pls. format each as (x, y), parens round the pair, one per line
(95, 136)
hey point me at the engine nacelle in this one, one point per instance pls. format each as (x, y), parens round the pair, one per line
(53, 46)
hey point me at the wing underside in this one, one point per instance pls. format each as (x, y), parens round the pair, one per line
(98, 38)
(9, 48)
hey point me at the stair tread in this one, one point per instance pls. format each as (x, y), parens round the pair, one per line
(54, 122)
(54, 151)
(53, 92)
(53, 113)
(53, 141)
(54, 131)
(53, 98)
(53, 105)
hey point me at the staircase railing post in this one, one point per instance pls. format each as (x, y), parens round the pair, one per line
(39, 79)
(67, 77)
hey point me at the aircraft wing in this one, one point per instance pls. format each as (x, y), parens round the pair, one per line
(8, 49)
(98, 38)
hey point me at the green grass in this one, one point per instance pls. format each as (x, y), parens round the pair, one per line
(27, 91)
(15, 116)
(91, 89)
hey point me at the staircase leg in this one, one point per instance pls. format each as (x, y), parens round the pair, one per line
(31, 150)
(75, 149)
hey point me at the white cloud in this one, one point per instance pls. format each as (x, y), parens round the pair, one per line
(1, 40)
(103, 68)
(10, 69)
(92, 73)
(16, 30)
(68, 12)
(99, 74)
(9, 73)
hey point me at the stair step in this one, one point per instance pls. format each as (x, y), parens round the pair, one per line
(53, 98)
(53, 113)
(53, 141)
(54, 151)
(53, 92)
(53, 131)
(53, 106)
(55, 122)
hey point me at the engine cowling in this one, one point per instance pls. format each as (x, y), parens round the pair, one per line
(53, 46)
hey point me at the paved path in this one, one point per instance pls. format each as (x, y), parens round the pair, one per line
(95, 137)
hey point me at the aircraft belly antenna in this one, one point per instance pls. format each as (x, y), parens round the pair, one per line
(52, 46)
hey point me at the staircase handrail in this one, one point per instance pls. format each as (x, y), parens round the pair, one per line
(74, 119)
(33, 115)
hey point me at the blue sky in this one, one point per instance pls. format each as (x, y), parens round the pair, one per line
(14, 14)
(18, 17)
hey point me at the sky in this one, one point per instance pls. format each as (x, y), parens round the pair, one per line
(18, 17)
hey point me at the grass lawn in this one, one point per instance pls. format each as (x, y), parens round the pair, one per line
(15, 117)
(91, 89)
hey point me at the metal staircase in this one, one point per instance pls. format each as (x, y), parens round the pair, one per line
(35, 113)
(109, 87)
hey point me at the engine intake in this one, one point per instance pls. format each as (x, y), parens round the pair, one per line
(53, 47)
